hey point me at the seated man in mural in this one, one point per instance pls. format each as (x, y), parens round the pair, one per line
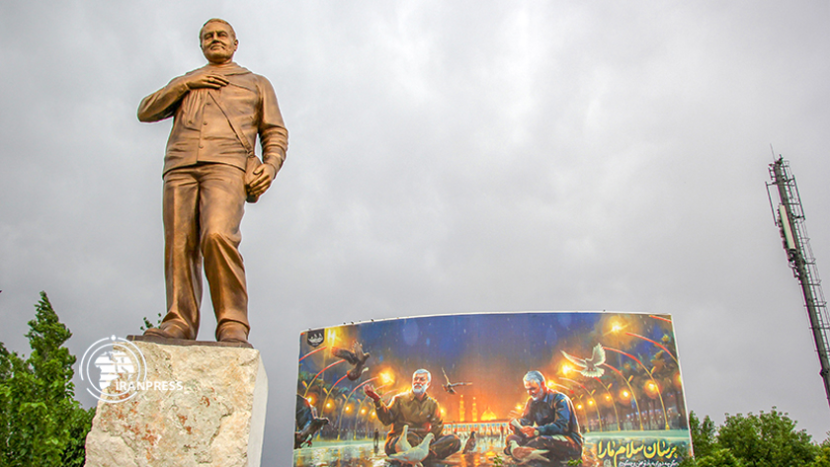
(548, 426)
(420, 413)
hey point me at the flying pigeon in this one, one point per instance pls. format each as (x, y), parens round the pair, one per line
(589, 367)
(415, 455)
(450, 387)
(356, 357)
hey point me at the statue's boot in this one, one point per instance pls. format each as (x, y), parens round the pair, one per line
(232, 332)
(166, 331)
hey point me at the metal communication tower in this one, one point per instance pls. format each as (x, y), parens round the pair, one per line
(789, 217)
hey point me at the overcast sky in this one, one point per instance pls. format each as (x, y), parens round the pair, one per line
(443, 157)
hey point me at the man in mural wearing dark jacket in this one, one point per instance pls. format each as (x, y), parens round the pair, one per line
(548, 425)
(420, 414)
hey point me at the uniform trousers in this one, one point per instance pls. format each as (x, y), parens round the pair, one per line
(203, 205)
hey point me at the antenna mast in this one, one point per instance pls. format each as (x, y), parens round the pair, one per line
(789, 217)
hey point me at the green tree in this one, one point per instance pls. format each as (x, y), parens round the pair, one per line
(764, 440)
(703, 435)
(823, 454)
(719, 458)
(148, 324)
(767, 440)
(40, 421)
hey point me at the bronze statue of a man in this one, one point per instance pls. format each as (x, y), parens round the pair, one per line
(218, 111)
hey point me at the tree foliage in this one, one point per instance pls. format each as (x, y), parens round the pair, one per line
(40, 421)
(823, 456)
(720, 458)
(703, 434)
(148, 324)
(769, 439)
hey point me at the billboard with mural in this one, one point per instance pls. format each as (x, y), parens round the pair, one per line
(537, 389)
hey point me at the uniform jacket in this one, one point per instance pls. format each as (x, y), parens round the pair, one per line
(219, 125)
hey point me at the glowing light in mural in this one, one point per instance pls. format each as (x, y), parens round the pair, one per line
(387, 377)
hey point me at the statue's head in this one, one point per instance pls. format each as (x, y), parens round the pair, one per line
(218, 41)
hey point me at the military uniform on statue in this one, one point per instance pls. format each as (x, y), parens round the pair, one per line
(210, 170)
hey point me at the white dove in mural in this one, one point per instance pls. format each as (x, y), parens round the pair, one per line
(415, 455)
(402, 444)
(589, 367)
(526, 454)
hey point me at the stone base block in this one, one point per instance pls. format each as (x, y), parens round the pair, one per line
(208, 410)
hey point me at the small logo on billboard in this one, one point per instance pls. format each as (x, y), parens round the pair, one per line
(117, 361)
(316, 337)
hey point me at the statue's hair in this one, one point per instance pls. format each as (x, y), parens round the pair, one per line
(423, 371)
(535, 376)
(217, 20)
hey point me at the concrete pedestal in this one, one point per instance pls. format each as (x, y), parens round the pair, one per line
(208, 410)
